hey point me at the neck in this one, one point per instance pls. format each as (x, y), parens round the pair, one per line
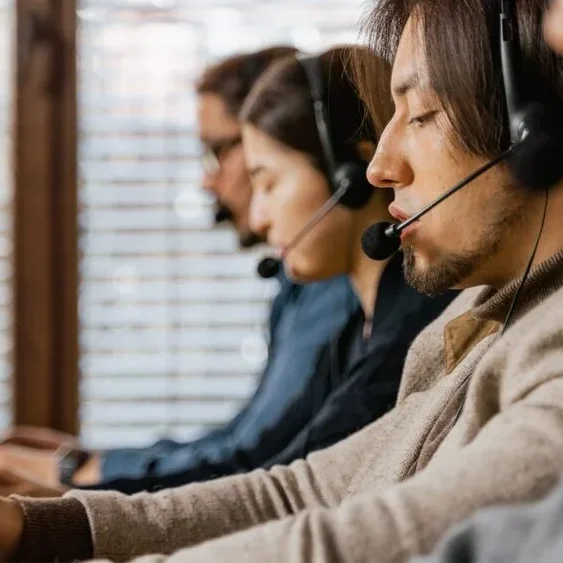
(517, 250)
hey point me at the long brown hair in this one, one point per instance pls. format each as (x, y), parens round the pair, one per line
(459, 40)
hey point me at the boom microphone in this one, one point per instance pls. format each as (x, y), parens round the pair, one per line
(269, 267)
(381, 240)
(376, 244)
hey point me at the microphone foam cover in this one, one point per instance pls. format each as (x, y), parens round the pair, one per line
(376, 244)
(268, 267)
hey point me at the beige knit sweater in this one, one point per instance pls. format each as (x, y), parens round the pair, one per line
(390, 490)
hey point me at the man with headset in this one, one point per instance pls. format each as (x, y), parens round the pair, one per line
(513, 533)
(479, 418)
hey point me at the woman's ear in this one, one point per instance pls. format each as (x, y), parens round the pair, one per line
(366, 150)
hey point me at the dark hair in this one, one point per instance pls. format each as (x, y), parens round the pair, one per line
(233, 78)
(281, 106)
(460, 42)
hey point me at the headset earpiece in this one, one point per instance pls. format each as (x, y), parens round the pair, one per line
(537, 162)
(359, 191)
(536, 130)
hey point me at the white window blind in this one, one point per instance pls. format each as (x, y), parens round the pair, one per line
(172, 317)
(7, 23)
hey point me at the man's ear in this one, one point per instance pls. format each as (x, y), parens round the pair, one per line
(366, 150)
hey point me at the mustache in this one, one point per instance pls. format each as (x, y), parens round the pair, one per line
(247, 239)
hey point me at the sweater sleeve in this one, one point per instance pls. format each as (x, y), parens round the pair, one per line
(128, 526)
(516, 456)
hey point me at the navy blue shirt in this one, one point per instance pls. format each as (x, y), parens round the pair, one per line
(293, 354)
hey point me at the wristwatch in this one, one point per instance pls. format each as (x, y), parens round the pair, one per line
(69, 461)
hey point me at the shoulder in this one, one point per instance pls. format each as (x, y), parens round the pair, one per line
(530, 353)
(541, 328)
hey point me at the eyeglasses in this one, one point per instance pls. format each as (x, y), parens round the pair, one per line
(214, 152)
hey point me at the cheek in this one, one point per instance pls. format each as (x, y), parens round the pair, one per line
(325, 251)
(436, 172)
(457, 222)
(432, 169)
(298, 200)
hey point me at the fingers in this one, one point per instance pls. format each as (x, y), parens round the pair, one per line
(18, 483)
(38, 464)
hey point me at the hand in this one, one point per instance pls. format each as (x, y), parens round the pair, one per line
(36, 464)
(41, 466)
(38, 438)
(553, 25)
(11, 528)
(19, 483)
(89, 473)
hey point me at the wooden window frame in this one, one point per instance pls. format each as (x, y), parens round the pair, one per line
(45, 358)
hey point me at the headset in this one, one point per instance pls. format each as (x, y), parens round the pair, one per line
(349, 177)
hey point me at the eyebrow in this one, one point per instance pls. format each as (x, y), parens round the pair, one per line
(412, 81)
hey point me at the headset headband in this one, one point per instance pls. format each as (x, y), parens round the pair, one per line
(312, 66)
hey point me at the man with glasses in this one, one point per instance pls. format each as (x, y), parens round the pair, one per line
(221, 92)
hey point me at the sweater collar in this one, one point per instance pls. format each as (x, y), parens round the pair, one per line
(543, 280)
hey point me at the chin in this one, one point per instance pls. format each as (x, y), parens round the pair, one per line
(298, 276)
(302, 274)
(437, 275)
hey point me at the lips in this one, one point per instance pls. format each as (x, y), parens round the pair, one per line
(401, 217)
(397, 213)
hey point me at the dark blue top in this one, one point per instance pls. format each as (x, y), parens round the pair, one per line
(293, 354)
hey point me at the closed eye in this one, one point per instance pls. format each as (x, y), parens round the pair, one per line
(423, 118)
